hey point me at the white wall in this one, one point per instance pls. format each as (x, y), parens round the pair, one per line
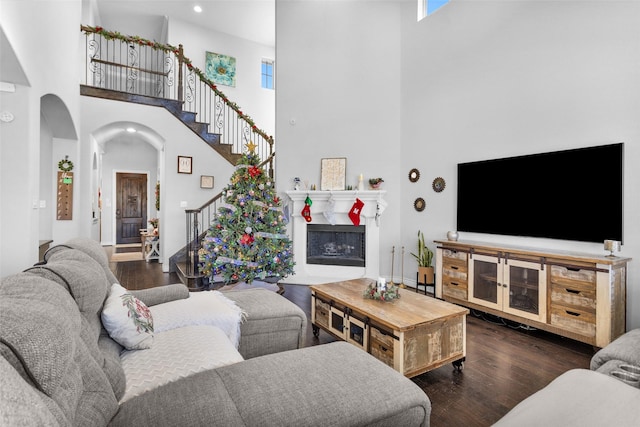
(486, 79)
(103, 119)
(44, 55)
(339, 80)
(476, 80)
(247, 94)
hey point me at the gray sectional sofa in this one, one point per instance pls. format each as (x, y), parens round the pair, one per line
(60, 367)
(608, 394)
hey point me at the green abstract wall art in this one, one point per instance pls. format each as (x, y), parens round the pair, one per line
(221, 69)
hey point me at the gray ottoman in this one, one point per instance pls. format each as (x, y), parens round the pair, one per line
(273, 323)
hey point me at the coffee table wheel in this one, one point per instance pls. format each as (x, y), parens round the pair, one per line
(316, 331)
(458, 365)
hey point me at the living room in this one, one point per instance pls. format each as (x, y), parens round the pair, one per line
(477, 80)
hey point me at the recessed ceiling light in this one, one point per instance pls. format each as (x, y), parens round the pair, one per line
(131, 130)
(197, 8)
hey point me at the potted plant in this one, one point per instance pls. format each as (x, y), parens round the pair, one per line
(424, 256)
(375, 183)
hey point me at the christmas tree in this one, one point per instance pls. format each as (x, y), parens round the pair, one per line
(247, 240)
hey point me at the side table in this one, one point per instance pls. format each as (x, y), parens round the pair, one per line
(151, 246)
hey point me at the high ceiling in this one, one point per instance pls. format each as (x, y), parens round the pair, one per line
(253, 20)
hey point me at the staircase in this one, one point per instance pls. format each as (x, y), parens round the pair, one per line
(133, 69)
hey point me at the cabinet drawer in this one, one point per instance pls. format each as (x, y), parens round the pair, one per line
(454, 288)
(574, 296)
(322, 313)
(574, 320)
(584, 279)
(455, 255)
(381, 346)
(454, 264)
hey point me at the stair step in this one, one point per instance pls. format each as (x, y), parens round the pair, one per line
(195, 282)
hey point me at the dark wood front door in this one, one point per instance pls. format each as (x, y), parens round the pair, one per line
(131, 206)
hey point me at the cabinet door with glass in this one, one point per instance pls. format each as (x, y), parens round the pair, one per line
(512, 286)
(526, 285)
(349, 328)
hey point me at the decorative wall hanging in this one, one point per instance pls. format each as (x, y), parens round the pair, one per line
(65, 165)
(206, 181)
(419, 204)
(221, 69)
(64, 209)
(184, 164)
(438, 184)
(414, 175)
(333, 173)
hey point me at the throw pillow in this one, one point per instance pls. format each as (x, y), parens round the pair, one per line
(127, 319)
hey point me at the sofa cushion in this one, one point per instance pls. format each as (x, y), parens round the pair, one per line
(83, 278)
(127, 319)
(198, 400)
(161, 294)
(21, 404)
(273, 323)
(274, 390)
(176, 354)
(579, 398)
(95, 250)
(201, 308)
(625, 348)
(40, 325)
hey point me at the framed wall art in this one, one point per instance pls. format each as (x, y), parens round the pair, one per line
(333, 173)
(185, 164)
(221, 69)
(206, 181)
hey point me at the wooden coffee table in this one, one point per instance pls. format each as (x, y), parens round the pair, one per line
(412, 334)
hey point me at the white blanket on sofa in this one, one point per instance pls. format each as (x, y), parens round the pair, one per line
(201, 308)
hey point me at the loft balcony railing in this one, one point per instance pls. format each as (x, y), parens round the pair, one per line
(138, 66)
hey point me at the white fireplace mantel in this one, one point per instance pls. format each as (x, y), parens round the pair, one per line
(374, 206)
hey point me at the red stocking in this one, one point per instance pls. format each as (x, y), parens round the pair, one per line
(306, 212)
(354, 213)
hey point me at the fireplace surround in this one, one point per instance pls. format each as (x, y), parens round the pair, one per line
(311, 273)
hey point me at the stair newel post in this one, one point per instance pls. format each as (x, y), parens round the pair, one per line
(195, 242)
(180, 63)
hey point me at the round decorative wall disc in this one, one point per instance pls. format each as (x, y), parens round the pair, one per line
(414, 175)
(438, 184)
(419, 204)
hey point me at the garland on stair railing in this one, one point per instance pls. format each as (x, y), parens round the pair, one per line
(167, 48)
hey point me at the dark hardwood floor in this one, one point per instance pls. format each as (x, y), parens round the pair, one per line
(504, 364)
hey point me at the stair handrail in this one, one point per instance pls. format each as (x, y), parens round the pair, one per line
(183, 60)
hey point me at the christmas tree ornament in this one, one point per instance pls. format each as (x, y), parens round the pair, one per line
(354, 213)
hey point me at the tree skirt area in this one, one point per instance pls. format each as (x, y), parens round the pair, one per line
(274, 287)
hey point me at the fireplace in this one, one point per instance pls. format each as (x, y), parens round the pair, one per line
(336, 245)
(358, 259)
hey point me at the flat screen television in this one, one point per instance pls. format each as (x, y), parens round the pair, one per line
(568, 195)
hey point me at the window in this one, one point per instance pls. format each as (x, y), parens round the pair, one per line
(267, 73)
(427, 7)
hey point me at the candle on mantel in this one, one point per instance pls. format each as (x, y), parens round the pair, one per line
(360, 183)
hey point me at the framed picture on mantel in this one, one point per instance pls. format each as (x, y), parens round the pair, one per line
(333, 173)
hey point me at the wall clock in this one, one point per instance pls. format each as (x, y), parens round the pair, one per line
(438, 184)
(414, 175)
(419, 204)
